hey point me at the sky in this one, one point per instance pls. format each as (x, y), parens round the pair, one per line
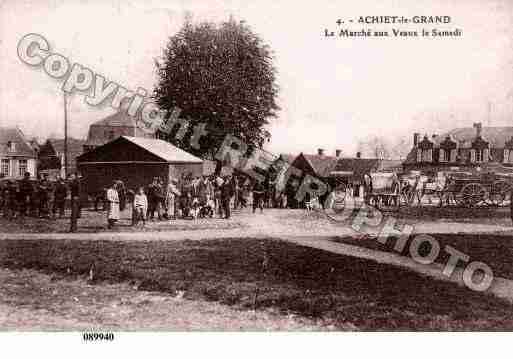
(333, 91)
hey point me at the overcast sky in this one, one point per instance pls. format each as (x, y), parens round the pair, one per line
(332, 91)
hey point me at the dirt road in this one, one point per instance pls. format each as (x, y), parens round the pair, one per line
(30, 300)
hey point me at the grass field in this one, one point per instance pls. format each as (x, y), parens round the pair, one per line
(33, 301)
(333, 290)
(493, 249)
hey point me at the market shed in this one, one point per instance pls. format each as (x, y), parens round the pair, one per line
(135, 161)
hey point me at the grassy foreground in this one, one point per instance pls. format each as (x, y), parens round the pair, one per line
(496, 250)
(336, 291)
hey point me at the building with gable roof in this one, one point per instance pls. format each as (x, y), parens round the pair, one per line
(466, 148)
(112, 127)
(51, 156)
(16, 154)
(135, 161)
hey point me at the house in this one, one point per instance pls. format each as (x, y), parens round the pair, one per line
(16, 154)
(468, 148)
(352, 170)
(319, 165)
(112, 127)
(51, 157)
(135, 161)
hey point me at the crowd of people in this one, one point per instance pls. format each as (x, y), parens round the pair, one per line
(187, 197)
(37, 198)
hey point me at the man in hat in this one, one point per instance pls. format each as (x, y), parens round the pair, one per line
(226, 196)
(26, 191)
(60, 194)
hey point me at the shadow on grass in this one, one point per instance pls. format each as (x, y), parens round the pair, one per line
(334, 289)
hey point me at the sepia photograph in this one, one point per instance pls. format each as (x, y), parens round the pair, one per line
(172, 166)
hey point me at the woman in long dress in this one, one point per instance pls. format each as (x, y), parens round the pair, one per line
(171, 194)
(113, 200)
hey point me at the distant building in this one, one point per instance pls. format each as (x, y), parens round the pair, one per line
(112, 127)
(16, 154)
(463, 149)
(319, 165)
(51, 156)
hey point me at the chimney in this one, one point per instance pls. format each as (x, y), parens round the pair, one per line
(358, 154)
(479, 128)
(320, 152)
(338, 153)
(416, 137)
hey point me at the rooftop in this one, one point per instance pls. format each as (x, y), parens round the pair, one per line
(164, 150)
(14, 134)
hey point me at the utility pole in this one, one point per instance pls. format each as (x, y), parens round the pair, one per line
(65, 135)
(489, 113)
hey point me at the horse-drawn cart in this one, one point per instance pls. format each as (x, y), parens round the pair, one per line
(475, 189)
(467, 189)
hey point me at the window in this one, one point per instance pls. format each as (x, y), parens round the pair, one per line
(22, 167)
(479, 155)
(444, 155)
(11, 146)
(508, 156)
(454, 155)
(4, 167)
(427, 155)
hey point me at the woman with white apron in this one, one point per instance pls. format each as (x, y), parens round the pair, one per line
(113, 200)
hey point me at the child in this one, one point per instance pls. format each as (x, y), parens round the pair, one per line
(140, 207)
(208, 207)
(195, 206)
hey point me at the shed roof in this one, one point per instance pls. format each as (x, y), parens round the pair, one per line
(164, 150)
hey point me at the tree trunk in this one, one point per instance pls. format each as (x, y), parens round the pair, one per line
(219, 166)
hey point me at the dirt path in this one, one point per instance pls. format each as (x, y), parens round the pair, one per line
(30, 300)
(271, 223)
(306, 230)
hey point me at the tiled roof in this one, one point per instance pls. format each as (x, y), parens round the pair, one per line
(497, 136)
(14, 134)
(359, 166)
(322, 164)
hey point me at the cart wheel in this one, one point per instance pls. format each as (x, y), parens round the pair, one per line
(500, 190)
(472, 194)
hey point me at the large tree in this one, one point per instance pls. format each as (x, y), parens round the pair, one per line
(222, 75)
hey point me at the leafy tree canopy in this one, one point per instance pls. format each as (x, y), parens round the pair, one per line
(222, 75)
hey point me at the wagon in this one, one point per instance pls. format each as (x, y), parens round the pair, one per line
(385, 190)
(474, 189)
(416, 186)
